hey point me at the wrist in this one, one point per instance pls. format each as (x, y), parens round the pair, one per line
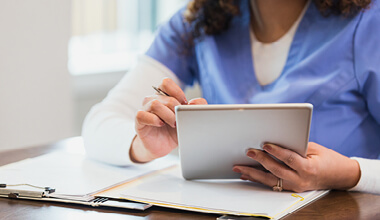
(355, 174)
(138, 152)
(352, 176)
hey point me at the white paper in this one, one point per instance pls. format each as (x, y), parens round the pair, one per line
(234, 196)
(73, 174)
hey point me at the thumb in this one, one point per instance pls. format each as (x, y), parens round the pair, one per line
(198, 101)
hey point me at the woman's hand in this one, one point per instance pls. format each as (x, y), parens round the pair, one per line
(321, 169)
(155, 124)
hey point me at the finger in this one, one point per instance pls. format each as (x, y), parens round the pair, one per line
(290, 158)
(275, 167)
(147, 118)
(255, 175)
(244, 177)
(149, 98)
(171, 88)
(163, 112)
(169, 102)
(198, 101)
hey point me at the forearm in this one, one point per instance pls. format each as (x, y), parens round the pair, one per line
(108, 135)
(109, 127)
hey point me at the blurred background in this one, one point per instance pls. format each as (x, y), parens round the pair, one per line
(60, 57)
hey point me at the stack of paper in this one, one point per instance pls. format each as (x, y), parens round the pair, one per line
(167, 188)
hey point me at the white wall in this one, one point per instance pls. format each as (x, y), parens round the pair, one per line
(36, 104)
(89, 90)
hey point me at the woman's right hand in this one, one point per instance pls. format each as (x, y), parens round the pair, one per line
(155, 124)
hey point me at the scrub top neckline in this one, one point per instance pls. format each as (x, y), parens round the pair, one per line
(292, 57)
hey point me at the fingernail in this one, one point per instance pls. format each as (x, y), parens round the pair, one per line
(267, 147)
(237, 170)
(175, 124)
(251, 154)
(185, 101)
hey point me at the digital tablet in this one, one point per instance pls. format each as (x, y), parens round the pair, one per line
(214, 138)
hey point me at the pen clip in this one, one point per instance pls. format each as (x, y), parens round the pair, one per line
(160, 91)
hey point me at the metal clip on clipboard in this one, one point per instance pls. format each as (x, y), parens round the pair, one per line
(15, 193)
(21, 193)
(43, 193)
(118, 203)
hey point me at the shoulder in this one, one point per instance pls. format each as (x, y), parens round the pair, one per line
(371, 15)
(374, 7)
(367, 44)
(176, 23)
(368, 28)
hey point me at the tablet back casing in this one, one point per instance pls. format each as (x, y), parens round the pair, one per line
(214, 138)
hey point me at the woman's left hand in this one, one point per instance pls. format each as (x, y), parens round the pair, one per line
(322, 168)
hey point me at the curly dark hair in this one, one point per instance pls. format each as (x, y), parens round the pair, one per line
(213, 16)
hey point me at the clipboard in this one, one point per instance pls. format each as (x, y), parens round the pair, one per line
(137, 188)
(72, 179)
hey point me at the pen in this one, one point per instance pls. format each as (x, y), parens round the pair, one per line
(160, 91)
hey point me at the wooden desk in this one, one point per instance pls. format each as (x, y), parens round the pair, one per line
(336, 205)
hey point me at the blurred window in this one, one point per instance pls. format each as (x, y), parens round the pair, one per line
(107, 35)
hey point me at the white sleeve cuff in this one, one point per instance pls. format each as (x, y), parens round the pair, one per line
(370, 176)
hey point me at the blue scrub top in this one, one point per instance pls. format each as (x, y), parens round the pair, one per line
(333, 63)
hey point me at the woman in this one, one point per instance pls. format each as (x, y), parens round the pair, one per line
(260, 51)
